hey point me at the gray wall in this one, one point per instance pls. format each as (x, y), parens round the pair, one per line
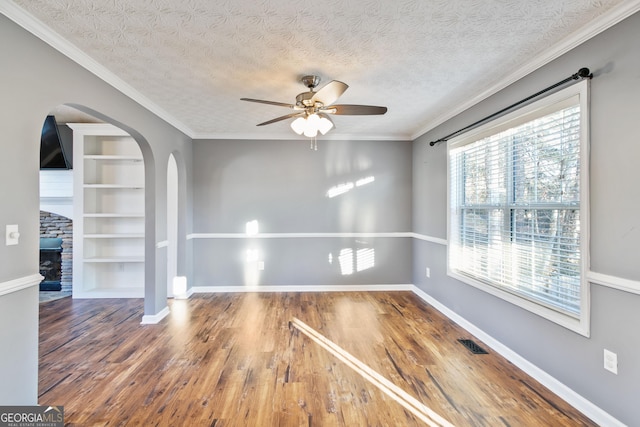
(283, 185)
(576, 361)
(19, 351)
(34, 79)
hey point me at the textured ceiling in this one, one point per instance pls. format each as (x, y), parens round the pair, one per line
(195, 59)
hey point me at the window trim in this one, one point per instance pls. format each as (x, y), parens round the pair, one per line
(580, 324)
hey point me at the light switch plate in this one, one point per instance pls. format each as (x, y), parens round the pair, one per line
(13, 235)
(611, 361)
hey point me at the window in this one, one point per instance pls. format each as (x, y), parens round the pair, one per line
(518, 207)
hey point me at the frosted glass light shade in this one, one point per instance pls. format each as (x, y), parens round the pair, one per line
(312, 121)
(298, 125)
(324, 125)
(310, 131)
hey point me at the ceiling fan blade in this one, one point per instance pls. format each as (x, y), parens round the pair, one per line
(356, 110)
(260, 101)
(330, 92)
(277, 119)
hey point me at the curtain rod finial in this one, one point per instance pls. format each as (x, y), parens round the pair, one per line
(582, 74)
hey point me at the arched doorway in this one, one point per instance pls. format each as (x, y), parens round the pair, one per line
(154, 296)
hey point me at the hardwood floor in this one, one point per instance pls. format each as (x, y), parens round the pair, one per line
(237, 360)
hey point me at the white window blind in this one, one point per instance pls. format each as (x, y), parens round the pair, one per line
(515, 206)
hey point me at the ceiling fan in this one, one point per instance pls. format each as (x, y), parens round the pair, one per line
(312, 108)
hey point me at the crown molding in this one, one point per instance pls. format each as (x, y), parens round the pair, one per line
(592, 29)
(53, 39)
(294, 137)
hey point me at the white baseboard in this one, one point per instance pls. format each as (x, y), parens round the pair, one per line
(574, 399)
(152, 319)
(186, 295)
(19, 284)
(313, 288)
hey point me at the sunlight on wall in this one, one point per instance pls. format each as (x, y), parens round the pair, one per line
(180, 287)
(252, 255)
(365, 259)
(251, 228)
(251, 277)
(348, 186)
(363, 181)
(346, 261)
(339, 189)
(352, 262)
(251, 268)
(252, 262)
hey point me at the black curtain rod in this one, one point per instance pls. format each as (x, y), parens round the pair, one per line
(583, 73)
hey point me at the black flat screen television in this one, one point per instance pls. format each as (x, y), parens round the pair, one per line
(52, 153)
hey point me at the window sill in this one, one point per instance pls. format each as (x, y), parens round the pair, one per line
(578, 325)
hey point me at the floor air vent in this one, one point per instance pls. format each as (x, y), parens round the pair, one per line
(473, 347)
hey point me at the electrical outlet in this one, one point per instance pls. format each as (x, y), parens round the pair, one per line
(610, 361)
(428, 272)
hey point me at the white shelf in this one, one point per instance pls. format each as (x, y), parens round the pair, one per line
(108, 252)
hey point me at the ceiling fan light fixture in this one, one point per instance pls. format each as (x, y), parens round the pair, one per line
(311, 132)
(299, 125)
(324, 125)
(312, 108)
(313, 119)
(310, 125)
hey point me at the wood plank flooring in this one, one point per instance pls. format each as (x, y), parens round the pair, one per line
(236, 360)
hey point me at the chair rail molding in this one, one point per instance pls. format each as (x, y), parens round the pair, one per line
(20, 283)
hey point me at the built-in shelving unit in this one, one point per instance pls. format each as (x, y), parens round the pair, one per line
(109, 213)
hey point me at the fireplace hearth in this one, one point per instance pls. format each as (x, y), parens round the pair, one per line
(51, 263)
